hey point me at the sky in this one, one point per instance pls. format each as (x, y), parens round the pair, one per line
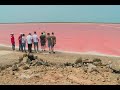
(59, 13)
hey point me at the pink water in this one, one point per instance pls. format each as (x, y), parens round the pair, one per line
(78, 37)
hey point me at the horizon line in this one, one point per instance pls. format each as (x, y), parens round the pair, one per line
(60, 22)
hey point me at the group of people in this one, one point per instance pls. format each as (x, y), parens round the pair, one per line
(30, 39)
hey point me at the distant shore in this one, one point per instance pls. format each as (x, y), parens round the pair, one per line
(63, 22)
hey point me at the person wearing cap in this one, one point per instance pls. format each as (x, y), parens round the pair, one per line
(20, 42)
(12, 41)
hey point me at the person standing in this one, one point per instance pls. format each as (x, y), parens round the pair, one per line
(44, 33)
(23, 43)
(42, 41)
(13, 41)
(29, 42)
(53, 37)
(20, 42)
(35, 41)
(49, 39)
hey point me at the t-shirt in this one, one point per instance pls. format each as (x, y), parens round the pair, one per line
(23, 39)
(43, 38)
(29, 39)
(49, 39)
(12, 40)
(20, 39)
(53, 39)
(35, 38)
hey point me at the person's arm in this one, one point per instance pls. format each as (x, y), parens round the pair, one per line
(14, 40)
(37, 38)
(55, 40)
(25, 40)
(32, 39)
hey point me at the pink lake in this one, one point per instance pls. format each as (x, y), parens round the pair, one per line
(76, 37)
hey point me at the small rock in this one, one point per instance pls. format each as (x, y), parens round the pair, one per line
(85, 69)
(31, 56)
(14, 67)
(91, 68)
(12, 73)
(33, 63)
(116, 66)
(97, 62)
(20, 64)
(28, 61)
(67, 64)
(35, 57)
(25, 59)
(38, 63)
(103, 80)
(9, 68)
(46, 64)
(25, 67)
(79, 60)
(79, 65)
(25, 55)
(2, 67)
(20, 59)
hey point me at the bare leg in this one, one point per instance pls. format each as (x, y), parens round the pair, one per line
(37, 47)
(34, 47)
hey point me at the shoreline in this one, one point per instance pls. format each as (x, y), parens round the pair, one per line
(73, 52)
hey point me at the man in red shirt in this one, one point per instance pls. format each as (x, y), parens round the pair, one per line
(13, 41)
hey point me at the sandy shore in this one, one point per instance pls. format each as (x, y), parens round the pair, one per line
(53, 75)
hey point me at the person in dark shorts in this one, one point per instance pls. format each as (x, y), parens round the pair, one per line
(49, 39)
(29, 42)
(20, 42)
(42, 41)
(12, 41)
(53, 42)
(23, 43)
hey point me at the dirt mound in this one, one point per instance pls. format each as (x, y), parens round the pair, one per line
(39, 71)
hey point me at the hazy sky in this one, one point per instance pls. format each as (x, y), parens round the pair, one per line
(59, 13)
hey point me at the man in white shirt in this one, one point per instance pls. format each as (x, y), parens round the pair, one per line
(29, 42)
(35, 40)
(23, 43)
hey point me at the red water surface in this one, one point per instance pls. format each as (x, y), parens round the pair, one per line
(78, 37)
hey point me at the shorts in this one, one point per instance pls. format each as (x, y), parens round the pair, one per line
(42, 44)
(35, 43)
(50, 45)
